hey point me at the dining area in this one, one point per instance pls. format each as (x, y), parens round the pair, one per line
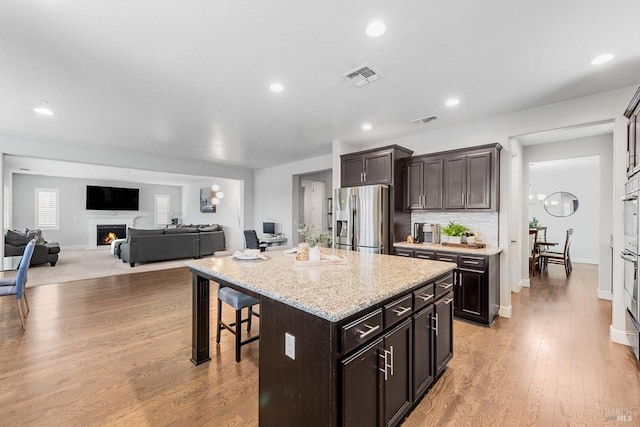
(544, 252)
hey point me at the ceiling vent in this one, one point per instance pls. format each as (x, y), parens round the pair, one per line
(425, 119)
(362, 75)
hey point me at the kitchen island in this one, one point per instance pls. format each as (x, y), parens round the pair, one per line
(337, 343)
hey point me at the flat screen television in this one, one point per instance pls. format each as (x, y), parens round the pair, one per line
(112, 198)
(269, 228)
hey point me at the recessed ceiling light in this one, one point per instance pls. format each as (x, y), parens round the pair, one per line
(602, 59)
(367, 126)
(276, 87)
(452, 102)
(376, 29)
(43, 108)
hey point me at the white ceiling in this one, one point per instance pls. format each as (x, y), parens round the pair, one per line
(154, 75)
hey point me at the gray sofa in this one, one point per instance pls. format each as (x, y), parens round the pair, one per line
(172, 243)
(43, 252)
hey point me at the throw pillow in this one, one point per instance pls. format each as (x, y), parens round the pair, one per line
(36, 234)
(15, 238)
(213, 227)
(181, 230)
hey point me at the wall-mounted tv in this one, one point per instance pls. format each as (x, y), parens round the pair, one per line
(112, 198)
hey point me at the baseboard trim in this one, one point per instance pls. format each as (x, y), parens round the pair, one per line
(525, 283)
(505, 311)
(618, 336)
(585, 261)
(605, 295)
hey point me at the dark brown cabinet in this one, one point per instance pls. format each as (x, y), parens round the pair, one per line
(394, 354)
(456, 180)
(424, 183)
(467, 181)
(371, 167)
(397, 368)
(362, 387)
(443, 327)
(423, 361)
(475, 283)
(633, 135)
(377, 380)
(470, 295)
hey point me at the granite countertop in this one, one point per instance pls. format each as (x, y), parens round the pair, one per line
(332, 292)
(488, 251)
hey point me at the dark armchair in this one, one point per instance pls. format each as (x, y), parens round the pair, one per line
(252, 242)
(44, 252)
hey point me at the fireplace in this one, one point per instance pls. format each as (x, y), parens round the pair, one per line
(107, 233)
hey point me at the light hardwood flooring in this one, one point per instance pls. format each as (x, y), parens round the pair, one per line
(115, 351)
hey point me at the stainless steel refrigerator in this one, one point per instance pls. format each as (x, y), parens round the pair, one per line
(362, 218)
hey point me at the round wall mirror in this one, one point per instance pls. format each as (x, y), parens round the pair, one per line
(561, 204)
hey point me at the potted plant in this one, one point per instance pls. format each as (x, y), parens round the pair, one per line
(533, 223)
(312, 238)
(454, 232)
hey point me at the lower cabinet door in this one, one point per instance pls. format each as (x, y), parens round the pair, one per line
(423, 374)
(443, 328)
(362, 387)
(472, 299)
(397, 366)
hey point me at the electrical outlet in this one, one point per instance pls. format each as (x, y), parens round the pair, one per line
(290, 346)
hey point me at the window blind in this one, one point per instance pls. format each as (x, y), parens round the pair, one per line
(47, 208)
(163, 203)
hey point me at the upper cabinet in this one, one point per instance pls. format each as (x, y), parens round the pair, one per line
(423, 190)
(371, 167)
(456, 180)
(633, 135)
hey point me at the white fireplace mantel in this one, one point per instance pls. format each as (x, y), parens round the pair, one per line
(104, 219)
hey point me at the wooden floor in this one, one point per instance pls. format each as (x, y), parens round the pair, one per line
(115, 351)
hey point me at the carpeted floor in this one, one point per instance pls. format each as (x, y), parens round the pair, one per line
(79, 264)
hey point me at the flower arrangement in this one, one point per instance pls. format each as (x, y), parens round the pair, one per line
(309, 235)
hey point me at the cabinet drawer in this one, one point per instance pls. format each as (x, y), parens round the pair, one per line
(440, 256)
(361, 330)
(404, 252)
(398, 310)
(423, 296)
(443, 285)
(425, 254)
(474, 262)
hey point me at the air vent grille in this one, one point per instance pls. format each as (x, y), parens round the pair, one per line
(362, 75)
(425, 119)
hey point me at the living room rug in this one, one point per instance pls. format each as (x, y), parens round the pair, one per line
(80, 264)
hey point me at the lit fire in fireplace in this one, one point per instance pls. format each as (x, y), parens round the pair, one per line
(110, 237)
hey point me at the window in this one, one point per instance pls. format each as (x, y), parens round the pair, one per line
(163, 203)
(7, 207)
(47, 211)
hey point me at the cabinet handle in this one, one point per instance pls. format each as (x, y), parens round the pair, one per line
(425, 297)
(436, 327)
(401, 310)
(471, 262)
(361, 177)
(445, 286)
(386, 365)
(471, 311)
(448, 301)
(403, 254)
(371, 329)
(445, 259)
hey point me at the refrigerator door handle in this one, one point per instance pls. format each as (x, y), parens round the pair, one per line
(354, 224)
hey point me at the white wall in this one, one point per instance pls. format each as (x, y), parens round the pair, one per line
(229, 213)
(274, 191)
(580, 177)
(60, 150)
(606, 106)
(74, 222)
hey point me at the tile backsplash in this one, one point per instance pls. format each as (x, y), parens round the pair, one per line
(483, 223)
